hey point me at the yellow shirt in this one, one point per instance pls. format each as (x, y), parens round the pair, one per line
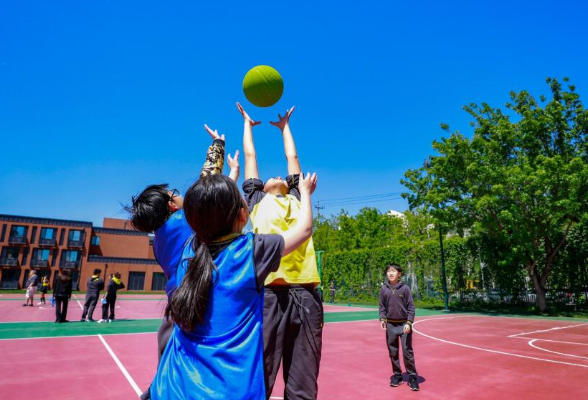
(277, 214)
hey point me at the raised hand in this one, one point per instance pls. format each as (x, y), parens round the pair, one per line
(246, 116)
(214, 134)
(307, 184)
(283, 121)
(234, 161)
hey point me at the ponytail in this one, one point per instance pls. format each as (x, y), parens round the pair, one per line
(188, 304)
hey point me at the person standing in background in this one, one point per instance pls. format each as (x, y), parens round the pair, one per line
(94, 287)
(109, 300)
(62, 293)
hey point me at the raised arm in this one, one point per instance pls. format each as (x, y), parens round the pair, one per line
(251, 170)
(235, 168)
(215, 156)
(303, 229)
(283, 124)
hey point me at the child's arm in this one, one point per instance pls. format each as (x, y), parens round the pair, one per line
(411, 311)
(235, 168)
(289, 147)
(383, 308)
(303, 230)
(215, 156)
(251, 170)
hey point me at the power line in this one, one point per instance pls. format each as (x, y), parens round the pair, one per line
(361, 197)
(367, 201)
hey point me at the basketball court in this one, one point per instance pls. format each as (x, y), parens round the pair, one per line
(458, 356)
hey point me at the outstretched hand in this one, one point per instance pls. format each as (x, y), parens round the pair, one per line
(214, 134)
(234, 161)
(307, 183)
(283, 121)
(246, 116)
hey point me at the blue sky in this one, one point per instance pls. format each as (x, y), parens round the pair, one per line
(100, 98)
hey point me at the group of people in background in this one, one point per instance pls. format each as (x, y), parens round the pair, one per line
(62, 290)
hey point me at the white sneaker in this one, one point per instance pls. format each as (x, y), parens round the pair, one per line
(101, 321)
(109, 320)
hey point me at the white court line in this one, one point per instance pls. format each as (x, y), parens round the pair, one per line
(554, 352)
(546, 330)
(80, 304)
(554, 341)
(489, 350)
(122, 367)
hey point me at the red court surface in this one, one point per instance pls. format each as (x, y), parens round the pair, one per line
(12, 310)
(457, 357)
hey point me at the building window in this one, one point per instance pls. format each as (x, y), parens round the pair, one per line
(70, 255)
(3, 234)
(9, 256)
(41, 254)
(18, 234)
(70, 259)
(33, 234)
(75, 238)
(18, 231)
(54, 259)
(25, 254)
(136, 281)
(159, 281)
(62, 236)
(10, 279)
(95, 240)
(48, 233)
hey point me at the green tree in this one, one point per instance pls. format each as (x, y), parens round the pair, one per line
(520, 180)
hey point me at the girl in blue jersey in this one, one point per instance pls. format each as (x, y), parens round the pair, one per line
(216, 348)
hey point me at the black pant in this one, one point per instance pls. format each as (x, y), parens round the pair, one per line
(292, 333)
(90, 305)
(61, 308)
(393, 332)
(110, 303)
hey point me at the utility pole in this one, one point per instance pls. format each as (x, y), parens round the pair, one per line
(318, 208)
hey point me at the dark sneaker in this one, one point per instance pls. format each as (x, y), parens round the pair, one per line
(146, 395)
(395, 380)
(413, 383)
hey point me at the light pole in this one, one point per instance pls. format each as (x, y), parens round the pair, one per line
(444, 276)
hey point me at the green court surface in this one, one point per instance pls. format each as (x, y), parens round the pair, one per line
(24, 330)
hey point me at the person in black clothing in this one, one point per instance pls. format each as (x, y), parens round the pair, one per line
(94, 287)
(396, 318)
(62, 293)
(109, 300)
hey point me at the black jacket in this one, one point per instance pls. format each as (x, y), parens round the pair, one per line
(112, 287)
(95, 286)
(396, 303)
(62, 287)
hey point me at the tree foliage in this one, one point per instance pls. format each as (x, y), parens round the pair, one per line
(519, 183)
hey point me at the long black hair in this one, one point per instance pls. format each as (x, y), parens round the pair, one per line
(212, 206)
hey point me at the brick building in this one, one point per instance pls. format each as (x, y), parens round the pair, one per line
(47, 245)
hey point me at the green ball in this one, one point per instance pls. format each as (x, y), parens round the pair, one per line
(263, 86)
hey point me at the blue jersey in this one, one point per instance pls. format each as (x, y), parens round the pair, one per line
(170, 240)
(221, 358)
